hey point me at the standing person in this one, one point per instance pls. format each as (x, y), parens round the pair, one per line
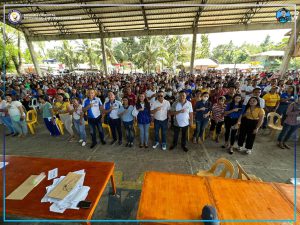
(111, 109)
(272, 100)
(48, 116)
(151, 93)
(92, 105)
(217, 121)
(125, 112)
(17, 115)
(130, 96)
(183, 113)
(78, 120)
(250, 122)
(255, 93)
(291, 124)
(160, 109)
(142, 112)
(4, 117)
(286, 98)
(62, 108)
(233, 112)
(203, 110)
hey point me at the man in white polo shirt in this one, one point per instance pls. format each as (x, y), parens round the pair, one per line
(92, 105)
(160, 109)
(183, 112)
(111, 109)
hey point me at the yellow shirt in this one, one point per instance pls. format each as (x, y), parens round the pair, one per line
(255, 114)
(271, 99)
(204, 90)
(61, 106)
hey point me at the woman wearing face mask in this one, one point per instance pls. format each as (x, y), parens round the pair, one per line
(232, 113)
(203, 110)
(291, 124)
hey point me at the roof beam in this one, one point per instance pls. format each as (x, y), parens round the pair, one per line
(144, 15)
(42, 13)
(178, 31)
(92, 16)
(252, 11)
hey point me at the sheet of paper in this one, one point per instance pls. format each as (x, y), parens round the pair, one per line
(25, 188)
(52, 174)
(65, 186)
(2, 164)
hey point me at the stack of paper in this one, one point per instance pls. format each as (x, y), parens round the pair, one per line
(292, 180)
(2, 164)
(71, 199)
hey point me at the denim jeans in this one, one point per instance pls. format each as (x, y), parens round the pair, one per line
(129, 131)
(144, 133)
(93, 124)
(8, 123)
(287, 132)
(80, 128)
(200, 127)
(163, 126)
(20, 126)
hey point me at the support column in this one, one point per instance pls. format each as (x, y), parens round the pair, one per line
(33, 56)
(104, 56)
(194, 42)
(290, 48)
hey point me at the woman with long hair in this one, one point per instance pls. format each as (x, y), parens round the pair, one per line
(250, 121)
(142, 109)
(286, 98)
(62, 108)
(232, 113)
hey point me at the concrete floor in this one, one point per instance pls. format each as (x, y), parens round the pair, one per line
(267, 161)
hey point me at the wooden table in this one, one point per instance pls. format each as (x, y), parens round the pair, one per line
(20, 168)
(167, 196)
(288, 191)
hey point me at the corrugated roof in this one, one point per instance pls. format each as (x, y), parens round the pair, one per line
(66, 21)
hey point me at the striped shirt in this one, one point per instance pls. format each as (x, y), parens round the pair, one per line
(218, 112)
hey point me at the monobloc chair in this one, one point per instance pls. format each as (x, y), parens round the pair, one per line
(243, 175)
(228, 168)
(31, 119)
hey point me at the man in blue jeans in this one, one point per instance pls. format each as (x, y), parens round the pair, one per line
(160, 109)
(92, 105)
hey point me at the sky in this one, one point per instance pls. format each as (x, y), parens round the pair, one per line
(238, 38)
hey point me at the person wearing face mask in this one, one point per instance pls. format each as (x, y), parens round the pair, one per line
(291, 124)
(203, 110)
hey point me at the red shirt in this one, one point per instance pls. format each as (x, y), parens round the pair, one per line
(51, 92)
(131, 99)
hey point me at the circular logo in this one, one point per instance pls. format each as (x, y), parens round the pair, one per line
(283, 15)
(14, 16)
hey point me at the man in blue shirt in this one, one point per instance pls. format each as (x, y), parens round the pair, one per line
(111, 109)
(92, 105)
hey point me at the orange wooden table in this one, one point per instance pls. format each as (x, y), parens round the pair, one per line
(98, 174)
(288, 191)
(167, 196)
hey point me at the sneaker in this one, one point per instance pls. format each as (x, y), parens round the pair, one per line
(185, 148)
(130, 144)
(80, 140)
(164, 147)
(113, 142)
(156, 145)
(93, 145)
(248, 151)
(172, 147)
(83, 143)
(240, 149)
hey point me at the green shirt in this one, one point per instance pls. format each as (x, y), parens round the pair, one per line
(46, 110)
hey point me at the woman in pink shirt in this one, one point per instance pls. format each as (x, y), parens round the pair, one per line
(217, 120)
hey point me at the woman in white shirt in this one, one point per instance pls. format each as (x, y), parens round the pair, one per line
(78, 120)
(17, 115)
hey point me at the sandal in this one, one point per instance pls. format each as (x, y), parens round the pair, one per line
(286, 146)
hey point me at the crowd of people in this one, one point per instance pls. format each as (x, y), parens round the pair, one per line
(239, 102)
